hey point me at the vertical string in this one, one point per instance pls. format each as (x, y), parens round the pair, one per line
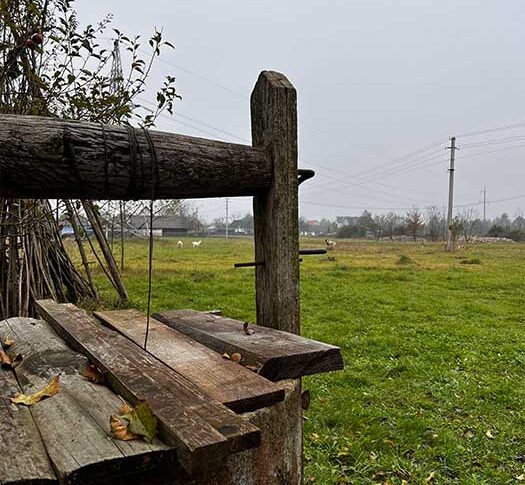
(154, 181)
(150, 271)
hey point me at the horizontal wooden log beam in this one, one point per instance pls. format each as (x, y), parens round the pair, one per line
(50, 158)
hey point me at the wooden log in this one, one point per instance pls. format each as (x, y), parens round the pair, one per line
(275, 210)
(74, 424)
(278, 355)
(24, 458)
(203, 431)
(224, 381)
(49, 158)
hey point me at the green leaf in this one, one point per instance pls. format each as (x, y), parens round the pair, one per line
(142, 421)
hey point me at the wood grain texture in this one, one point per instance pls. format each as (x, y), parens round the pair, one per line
(275, 210)
(49, 158)
(74, 424)
(278, 355)
(22, 452)
(203, 431)
(224, 381)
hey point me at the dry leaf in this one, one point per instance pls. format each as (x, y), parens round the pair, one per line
(5, 360)
(10, 362)
(247, 329)
(430, 477)
(124, 408)
(91, 373)
(119, 429)
(8, 342)
(30, 399)
(469, 434)
(142, 421)
(521, 477)
(236, 357)
(489, 434)
(226, 356)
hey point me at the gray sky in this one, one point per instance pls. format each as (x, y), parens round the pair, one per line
(377, 80)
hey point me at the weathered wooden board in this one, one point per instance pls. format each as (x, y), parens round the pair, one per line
(225, 381)
(50, 158)
(203, 431)
(74, 424)
(279, 355)
(23, 456)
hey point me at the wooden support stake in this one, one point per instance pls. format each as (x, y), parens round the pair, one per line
(276, 218)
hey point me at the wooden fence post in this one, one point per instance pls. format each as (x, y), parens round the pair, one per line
(274, 128)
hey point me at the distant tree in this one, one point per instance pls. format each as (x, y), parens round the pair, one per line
(434, 222)
(455, 227)
(414, 222)
(468, 224)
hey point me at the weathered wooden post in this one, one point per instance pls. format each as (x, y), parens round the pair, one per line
(276, 218)
(274, 128)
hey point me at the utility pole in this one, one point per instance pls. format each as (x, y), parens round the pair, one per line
(451, 170)
(484, 203)
(227, 216)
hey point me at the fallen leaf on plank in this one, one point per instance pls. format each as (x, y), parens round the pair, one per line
(10, 362)
(91, 373)
(247, 329)
(141, 421)
(5, 360)
(8, 342)
(236, 357)
(226, 356)
(30, 399)
(119, 429)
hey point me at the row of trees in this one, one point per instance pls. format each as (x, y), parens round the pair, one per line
(430, 224)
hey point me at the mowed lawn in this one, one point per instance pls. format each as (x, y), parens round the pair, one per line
(434, 345)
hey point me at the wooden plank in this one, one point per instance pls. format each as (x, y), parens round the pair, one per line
(275, 210)
(203, 431)
(74, 424)
(279, 355)
(50, 158)
(24, 458)
(224, 381)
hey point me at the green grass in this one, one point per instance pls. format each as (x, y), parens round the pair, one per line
(435, 356)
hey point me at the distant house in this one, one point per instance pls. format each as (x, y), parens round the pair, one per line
(162, 225)
(241, 227)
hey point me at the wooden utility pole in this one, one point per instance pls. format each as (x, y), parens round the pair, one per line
(484, 203)
(451, 170)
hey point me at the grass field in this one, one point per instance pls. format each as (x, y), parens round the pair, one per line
(433, 390)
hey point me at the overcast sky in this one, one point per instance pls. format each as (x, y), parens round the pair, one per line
(377, 81)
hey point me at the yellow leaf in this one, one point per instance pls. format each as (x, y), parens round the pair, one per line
(489, 434)
(8, 342)
(30, 399)
(521, 477)
(119, 429)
